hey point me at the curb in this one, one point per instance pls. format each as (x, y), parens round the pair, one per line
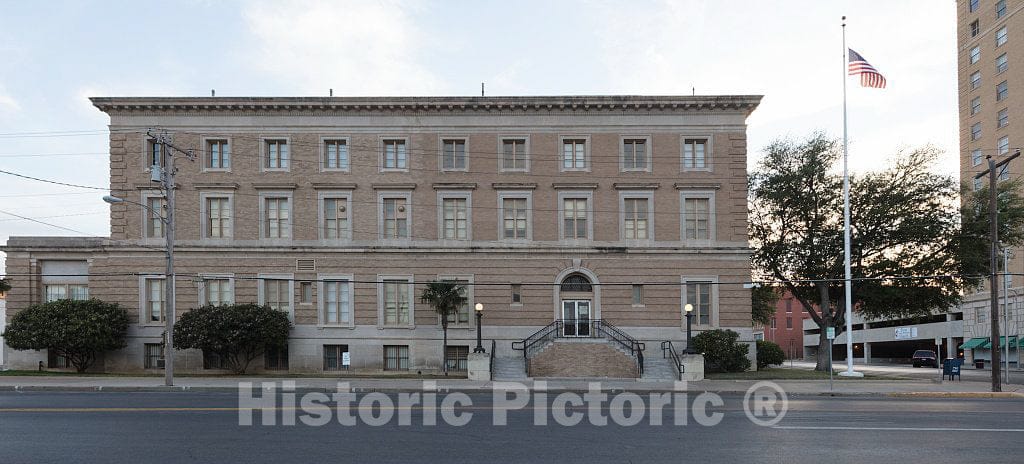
(957, 395)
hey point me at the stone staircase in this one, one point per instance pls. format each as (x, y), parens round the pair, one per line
(583, 357)
(509, 368)
(657, 368)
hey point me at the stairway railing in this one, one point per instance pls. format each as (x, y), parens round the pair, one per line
(668, 350)
(490, 365)
(580, 328)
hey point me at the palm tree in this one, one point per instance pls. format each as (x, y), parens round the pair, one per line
(446, 297)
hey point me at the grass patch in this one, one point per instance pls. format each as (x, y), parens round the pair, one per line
(786, 373)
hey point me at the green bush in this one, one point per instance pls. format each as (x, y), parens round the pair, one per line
(237, 333)
(769, 354)
(78, 330)
(721, 351)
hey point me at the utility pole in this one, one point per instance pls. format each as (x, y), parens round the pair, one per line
(167, 172)
(993, 228)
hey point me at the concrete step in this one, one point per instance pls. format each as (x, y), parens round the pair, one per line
(509, 368)
(658, 368)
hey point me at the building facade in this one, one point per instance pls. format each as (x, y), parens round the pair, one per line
(990, 54)
(786, 326)
(338, 210)
(893, 340)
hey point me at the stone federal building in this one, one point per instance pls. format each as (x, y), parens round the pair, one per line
(338, 210)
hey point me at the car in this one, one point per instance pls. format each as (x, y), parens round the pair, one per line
(925, 358)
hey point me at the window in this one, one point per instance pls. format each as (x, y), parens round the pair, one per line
(514, 218)
(396, 302)
(336, 357)
(153, 354)
(154, 212)
(275, 155)
(335, 155)
(335, 217)
(396, 357)
(276, 223)
(576, 283)
(213, 360)
(695, 153)
(395, 156)
(455, 218)
(789, 305)
(217, 155)
(337, 301)
(698, 294)
(461, 315)
(218, 217)
(575, 218)
(513, 155)
(275, 358)
(975, 80)
(636, 218)
(789, 323)
(306, 292)
(973, 6)
(1000, 8)
(217, 291)
(154, 291)
(773, 323)
(975, 28)
(396, 218)
(1004, 172)
(1002, 118)
(982, 315)
(517, 294)
(154, 154)
(1001, 36)
(977, 184)
(975, 54)
(638, 295)
(55, 360)
(634, 154)
(975, 105)
(574, 154)
(696, 218)
(1001, 63)
(56, 292)
(456, 357)
(975, 157)
(277, 293)
(453, 154)
(976, 131)
(1001, 91)
(1003, 145)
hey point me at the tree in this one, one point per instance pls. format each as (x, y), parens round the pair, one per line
(446, 297)
(762, 305)
(905, 231)
(78, 330)
(769, 354)
(237, 333)
(721, 350)
(975, 243)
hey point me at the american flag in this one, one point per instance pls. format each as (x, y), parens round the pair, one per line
(869, 76)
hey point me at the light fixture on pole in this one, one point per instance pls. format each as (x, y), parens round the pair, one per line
(479, 314)
(688, 309)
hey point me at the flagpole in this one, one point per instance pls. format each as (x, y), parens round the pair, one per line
(848, 282)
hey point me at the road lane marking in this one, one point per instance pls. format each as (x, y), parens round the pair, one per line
(899, 429)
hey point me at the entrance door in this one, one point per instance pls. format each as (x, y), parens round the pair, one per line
(576, 318)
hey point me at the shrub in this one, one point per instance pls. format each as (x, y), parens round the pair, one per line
(721, 351)
(769, 354)
(237, 333)
(78, 330)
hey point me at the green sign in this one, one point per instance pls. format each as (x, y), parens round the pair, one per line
(831, 333)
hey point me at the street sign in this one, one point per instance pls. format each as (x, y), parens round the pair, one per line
(938, 341)
(831, 333)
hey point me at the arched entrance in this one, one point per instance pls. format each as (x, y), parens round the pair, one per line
(576, 295)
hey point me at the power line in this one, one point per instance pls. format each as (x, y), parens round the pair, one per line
(53, 181)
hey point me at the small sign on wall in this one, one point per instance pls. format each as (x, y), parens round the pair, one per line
(906, 333)
(346, 359)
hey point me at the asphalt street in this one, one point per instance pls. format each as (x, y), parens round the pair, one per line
(101, 427)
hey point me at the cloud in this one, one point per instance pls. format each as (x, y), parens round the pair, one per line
(354, 47)
(7, 103)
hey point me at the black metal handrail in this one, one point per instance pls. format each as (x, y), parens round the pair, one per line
(580, 328)
(490, 366)
(668, 350)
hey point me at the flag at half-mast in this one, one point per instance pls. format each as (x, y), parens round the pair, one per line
(869, 76)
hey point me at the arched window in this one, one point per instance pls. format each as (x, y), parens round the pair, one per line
(576, 283)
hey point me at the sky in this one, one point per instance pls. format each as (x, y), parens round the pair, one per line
(55, 55)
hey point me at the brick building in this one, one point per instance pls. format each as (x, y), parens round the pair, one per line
(786, 326)
(337, 210)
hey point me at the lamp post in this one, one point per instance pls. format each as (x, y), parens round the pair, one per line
(479, 314)
(168, 221)
(689, 328)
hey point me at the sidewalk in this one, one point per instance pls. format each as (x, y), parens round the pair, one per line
(231, 384)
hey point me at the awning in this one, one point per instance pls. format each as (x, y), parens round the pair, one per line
(1002, 343)
(974, 343)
